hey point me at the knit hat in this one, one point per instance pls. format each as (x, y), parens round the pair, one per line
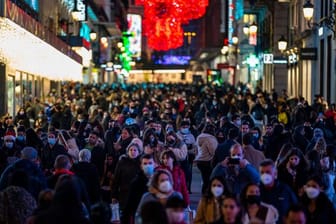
(9, 137)
(10, 131)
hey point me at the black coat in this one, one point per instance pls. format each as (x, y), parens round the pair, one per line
(125, 171)
(89, 174)
(49, 154)
(98, 156)
(138, 187)
(324, 212)
(36, 178)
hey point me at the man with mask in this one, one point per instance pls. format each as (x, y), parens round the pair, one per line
(138, 187)
(50, 151)
(273, 191)
(236, 170)
(189, 139)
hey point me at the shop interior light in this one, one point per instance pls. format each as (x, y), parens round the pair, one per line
(38, 57)
(235, 40)
(246, 29)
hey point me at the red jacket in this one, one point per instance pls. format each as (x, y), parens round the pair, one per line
(179, 181)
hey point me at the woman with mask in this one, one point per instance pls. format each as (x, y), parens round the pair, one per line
(318, 206)
(160, 189)
(257, 212)
(293, 169)
(208, 209)
(152, 145)
(168, 162)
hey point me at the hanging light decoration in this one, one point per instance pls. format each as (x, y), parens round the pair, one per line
(163, 20)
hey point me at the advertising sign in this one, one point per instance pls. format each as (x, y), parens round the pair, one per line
(134, 27)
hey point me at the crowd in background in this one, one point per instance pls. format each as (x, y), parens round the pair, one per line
(263, 157)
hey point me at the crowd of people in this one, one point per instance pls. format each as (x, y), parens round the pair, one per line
(125, 153)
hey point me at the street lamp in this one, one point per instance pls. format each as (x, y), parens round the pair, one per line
(93, 35)
(246, 29)
(328, 21)
(253, 28)
(308, 10)
(235, 40)
(282, 43)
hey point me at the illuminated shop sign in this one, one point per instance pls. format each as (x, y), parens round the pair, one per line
(34, 4)
(172, 60)
(134, 27)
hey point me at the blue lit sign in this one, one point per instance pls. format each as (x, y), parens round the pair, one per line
(172, 60)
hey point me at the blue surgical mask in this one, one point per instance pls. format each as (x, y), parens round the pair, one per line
(256, 135)
(52, 141)
(20, 138)
(184, 130)
(148, 169)
(9, 145)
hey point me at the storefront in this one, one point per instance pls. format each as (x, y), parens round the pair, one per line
(30, 57)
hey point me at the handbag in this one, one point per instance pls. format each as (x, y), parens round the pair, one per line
(115, 217)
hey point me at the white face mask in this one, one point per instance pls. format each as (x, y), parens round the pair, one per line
(165, 186)
(177, 217)
(217, 191)
(312, 192)
(266, 178)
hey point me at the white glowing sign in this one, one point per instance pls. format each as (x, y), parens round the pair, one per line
(134, 27)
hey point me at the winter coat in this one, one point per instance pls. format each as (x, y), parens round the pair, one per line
(208, 210)
(207, 145)
(89, 174)
(179, 181)
(266, 214)
(124, 173)
(49, 154)
(36, 178)
(280, 196)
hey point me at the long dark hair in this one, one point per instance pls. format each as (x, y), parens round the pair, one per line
(208, 194)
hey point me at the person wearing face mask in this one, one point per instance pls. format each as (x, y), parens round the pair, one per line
(315, 201)
(21, 118)
(8, 152)
(138, 187)
(126, 169)
(273, 191)
(160, 188)
(168, 162)
(256, 210)
(236, 170)
(50, 151)
(175, 210)
(175, 144)
(189, 139)
(152, 145)
(208, 209)
(293, 169)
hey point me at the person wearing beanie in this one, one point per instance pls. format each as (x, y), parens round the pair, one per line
(9, 153)
(126, 169)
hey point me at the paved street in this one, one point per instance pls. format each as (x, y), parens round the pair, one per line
(196, 187)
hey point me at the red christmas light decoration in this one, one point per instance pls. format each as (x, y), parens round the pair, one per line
(163, 20)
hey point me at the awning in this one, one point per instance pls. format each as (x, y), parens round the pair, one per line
(23, 51)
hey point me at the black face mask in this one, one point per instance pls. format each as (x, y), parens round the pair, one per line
(253, 199)
(170, 142)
